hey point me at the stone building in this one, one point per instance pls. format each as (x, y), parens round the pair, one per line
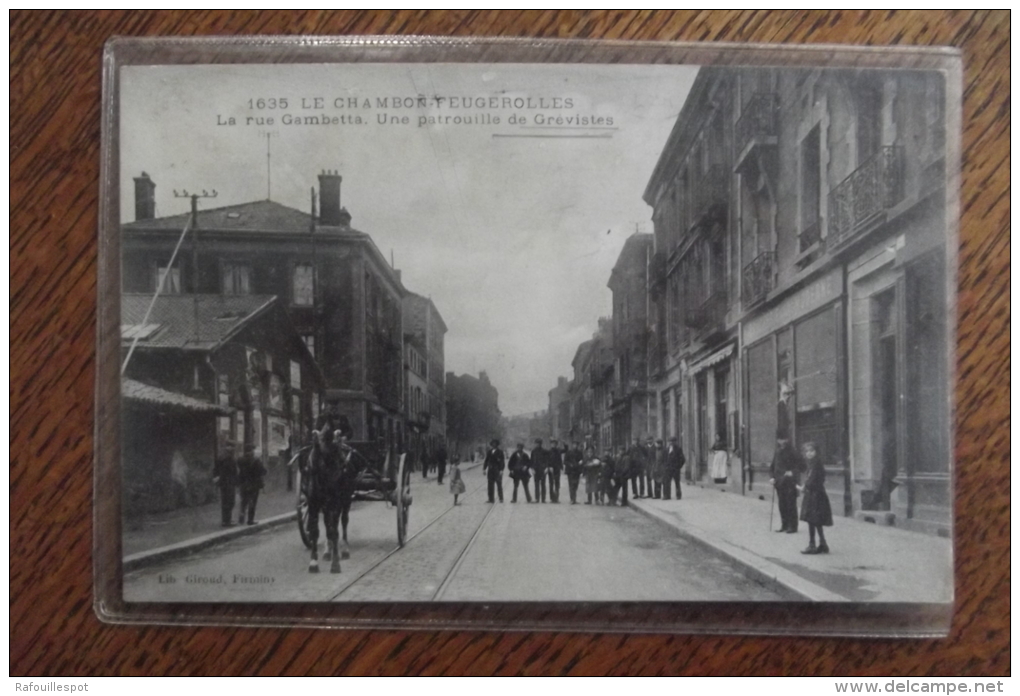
(473, 417)
(559, 409)
(342, 297)
(205, 369)
(423, 322)
(628, 281)
(800, 280)
(693, 343)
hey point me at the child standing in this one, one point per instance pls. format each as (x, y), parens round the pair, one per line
(456, 482)
(815, 509)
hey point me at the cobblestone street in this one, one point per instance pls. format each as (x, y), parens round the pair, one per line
(472, 552)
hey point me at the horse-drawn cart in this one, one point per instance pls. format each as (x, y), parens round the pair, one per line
(378, 474)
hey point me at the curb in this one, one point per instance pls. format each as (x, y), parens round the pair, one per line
(189, 546)
(761, 570)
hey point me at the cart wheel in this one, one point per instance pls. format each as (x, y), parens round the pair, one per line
(401, 499)
(302, 511)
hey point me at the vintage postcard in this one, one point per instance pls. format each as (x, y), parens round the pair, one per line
(535, 332)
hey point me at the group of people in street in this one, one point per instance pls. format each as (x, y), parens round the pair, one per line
(433, 462)
(245, 475)
(648, 468)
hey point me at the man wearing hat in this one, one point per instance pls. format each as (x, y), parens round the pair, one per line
(492, 467)
(675, 461)
(555, 470)
(638, 464)
(225, 476)
(574, 465)
(251, 474)
(518, 465)
(786, 469)
(539, 463)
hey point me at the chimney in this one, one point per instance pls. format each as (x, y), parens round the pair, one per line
(330, 212)
(145, 197)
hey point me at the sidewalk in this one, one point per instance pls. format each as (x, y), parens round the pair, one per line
(868, 563)
(169, 528)
(180, 532)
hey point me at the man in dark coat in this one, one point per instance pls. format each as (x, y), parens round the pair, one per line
(518, 465)
(638, 463)
(225, 476)
(492, 467)
(658, 466)
(674, 462)
(251, 475)
(539, 464)
(787, 466)
(441, 457)
(554, 470)
(620, 476)
(574, 466)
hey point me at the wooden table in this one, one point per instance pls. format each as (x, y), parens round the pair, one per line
(54, 164)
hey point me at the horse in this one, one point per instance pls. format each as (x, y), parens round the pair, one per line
(331, 477)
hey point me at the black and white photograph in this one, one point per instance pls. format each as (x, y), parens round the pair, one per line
(535, 332)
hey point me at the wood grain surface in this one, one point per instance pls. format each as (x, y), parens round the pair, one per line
(54, 166)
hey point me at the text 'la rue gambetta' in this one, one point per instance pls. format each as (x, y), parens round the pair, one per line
(419, 110)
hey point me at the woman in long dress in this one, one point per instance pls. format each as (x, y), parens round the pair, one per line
(719, 468)
(456, 481)
(815, 508)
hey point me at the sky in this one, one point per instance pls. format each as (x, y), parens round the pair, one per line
(511, 228)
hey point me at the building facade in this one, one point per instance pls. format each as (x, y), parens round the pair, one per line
(473, 417)
(628, 400)
(559, 410)
(425, 325)
(205, 370)
(800, 281)
(342, 297)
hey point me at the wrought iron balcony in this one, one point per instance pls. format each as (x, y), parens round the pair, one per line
(864, 197)
(758, 278)
(758, 124)
(710, 315)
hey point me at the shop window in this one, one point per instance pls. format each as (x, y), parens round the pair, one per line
(763, 395)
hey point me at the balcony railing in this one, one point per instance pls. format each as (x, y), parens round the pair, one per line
(759, 120)
(758, 278)
(710, 315)
(865, 195)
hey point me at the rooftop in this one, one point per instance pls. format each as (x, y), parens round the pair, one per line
(133, 390)
(257, 216)
(194, 322)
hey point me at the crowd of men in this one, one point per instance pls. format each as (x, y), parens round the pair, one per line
(649, 469)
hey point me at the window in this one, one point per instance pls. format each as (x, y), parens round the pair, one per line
(810, 181)
(236, 279)
(295, 374)
(304, 285)
(172, 283)
(309, 340)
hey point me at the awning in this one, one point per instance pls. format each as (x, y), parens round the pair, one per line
(713, 359)
(132, 390)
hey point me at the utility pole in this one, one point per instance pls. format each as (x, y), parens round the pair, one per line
(161, 282)
(269, 163)
(193, 223)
